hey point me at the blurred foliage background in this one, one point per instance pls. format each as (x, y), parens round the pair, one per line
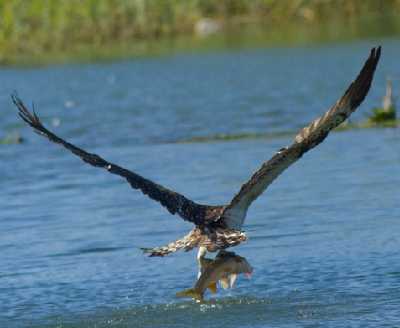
(42, 30)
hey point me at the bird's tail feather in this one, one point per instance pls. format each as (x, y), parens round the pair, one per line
(186, 243)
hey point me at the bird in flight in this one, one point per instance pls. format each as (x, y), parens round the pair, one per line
(219, 227)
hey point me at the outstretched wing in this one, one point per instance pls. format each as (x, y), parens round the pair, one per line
(306, 139)
(174, 202)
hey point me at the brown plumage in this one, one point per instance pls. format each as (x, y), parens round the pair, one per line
(219, 227)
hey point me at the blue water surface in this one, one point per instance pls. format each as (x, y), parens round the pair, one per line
(324, 239)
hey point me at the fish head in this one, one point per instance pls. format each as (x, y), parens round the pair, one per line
(234, 264)
(243, 266)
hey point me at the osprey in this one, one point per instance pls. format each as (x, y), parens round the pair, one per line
(219, 227)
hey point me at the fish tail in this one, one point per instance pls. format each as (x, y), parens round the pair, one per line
(191, 292)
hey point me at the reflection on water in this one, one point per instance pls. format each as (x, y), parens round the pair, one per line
(223, 269)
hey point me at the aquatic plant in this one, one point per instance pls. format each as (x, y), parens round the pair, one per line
(11, 138)
(387, 112)
(381, 115)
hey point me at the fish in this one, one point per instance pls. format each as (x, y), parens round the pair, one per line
(224, 268)
(226, 281)
(204, 264)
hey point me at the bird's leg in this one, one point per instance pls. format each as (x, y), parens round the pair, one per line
(201, 253)
(200, 256)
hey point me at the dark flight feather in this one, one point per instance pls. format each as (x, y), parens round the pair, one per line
(174, 202)
(218, 227)
(306, 139)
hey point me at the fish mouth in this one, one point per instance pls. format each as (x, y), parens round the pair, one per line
(248, 274)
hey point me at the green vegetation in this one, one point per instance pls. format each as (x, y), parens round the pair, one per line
(387, 113)
(219, 137)
(11, 138)
(381, 115)
(42, 30)
(393, 123)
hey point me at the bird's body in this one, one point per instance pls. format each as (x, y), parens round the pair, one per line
(220, 227)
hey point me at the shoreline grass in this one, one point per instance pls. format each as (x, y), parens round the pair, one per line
(285, 134)
(46, 31)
